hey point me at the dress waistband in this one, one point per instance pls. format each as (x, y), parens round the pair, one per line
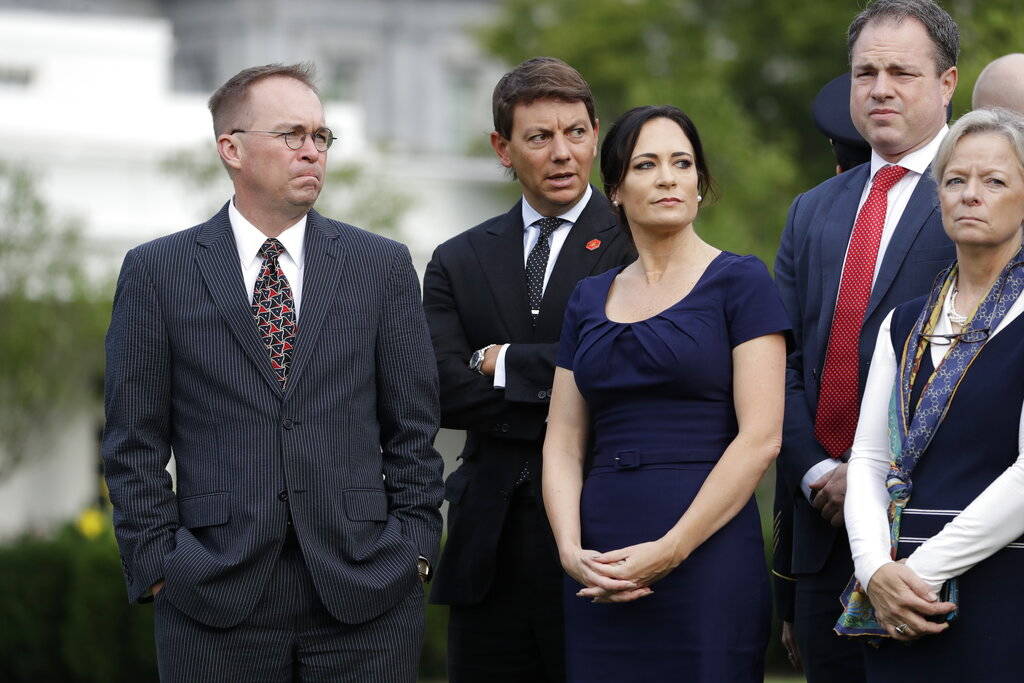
(632, 458)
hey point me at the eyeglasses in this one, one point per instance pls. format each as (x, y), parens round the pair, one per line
(322, 139)
(969, 337)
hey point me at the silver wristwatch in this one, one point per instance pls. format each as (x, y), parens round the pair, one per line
(476, 361)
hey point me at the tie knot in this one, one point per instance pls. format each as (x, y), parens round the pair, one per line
(547, 226)
(271, 249)
(886, 177)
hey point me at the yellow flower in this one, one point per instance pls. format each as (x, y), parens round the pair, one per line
(91, 523)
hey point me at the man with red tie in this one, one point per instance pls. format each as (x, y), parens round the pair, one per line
(853, 248)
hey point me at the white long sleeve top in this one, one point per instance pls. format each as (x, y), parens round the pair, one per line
(989, 523)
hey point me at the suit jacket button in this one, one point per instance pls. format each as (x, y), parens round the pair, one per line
(542, 394)
(287, 423)
(283, 496)
(504, 427)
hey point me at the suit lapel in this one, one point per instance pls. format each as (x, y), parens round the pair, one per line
(835, 236)
(220, 270)
(320, 280)
(923, 203)
(500, 252)
(575, 262)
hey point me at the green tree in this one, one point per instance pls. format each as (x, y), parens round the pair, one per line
(655, 52)
(54, 317)
(746, 71)
(784, 51)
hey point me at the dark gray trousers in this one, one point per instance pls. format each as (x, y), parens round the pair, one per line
(290, 636)
(515, 634)
(827, 658)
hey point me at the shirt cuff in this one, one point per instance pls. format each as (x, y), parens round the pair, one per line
(499, 368)
(936, 586)
(817, 472)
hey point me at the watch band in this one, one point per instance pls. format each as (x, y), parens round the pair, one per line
(476, 361)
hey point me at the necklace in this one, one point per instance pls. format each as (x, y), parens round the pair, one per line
(955, 316)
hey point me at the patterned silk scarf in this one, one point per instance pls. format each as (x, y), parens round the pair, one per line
(909, 436)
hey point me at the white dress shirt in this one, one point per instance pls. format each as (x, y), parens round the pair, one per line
(993, 519)
(531, 233)
(249, 239)
(916, 163)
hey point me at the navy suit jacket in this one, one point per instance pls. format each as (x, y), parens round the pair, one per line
(474, 294)
(808, 267)
(347, 446)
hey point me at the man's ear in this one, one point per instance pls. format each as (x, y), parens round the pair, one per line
(949, 80)
(500, 146)
(597, 134)
(229, 150)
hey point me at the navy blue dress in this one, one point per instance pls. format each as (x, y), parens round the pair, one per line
(659, 393)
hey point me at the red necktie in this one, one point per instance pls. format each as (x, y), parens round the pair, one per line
(274, 309)
(839, 400)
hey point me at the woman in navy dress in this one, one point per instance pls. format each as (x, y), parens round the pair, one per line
(665, 413)
(938, 460)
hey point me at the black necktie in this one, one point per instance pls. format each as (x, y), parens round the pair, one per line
(537, 263)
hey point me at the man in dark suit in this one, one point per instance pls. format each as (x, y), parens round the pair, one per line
(853, 248)
(284, 359)
(494, 297)
(831, 113)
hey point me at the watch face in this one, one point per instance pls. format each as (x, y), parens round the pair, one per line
(476, 359)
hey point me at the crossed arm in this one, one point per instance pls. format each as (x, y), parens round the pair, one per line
(470, 400)
(628, 573)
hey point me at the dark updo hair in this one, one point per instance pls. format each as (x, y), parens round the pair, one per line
(617, 150)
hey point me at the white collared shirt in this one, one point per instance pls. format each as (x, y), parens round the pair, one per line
(531, 233)
(249, 239)
(916, 163)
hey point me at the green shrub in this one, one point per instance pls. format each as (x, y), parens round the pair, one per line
(65, 616)
(105, 638)
(33, 599)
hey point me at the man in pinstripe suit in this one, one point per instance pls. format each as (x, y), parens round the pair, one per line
(284, 358)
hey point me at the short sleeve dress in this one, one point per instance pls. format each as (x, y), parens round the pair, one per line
(660, 397)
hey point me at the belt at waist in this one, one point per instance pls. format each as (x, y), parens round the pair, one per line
(632, 458)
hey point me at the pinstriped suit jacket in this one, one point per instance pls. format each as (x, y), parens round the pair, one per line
(347, 445)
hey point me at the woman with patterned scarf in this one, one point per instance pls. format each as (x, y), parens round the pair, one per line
(935, 493)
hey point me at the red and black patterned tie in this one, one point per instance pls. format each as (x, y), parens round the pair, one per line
(274, 309)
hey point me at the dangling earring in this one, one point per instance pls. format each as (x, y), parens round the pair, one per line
(699, 198)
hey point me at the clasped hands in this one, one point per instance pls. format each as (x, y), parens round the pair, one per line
(903, 602)
(620, 575)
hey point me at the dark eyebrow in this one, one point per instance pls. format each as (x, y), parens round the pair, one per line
(536, 129)
(902, 67)
(651, 155)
